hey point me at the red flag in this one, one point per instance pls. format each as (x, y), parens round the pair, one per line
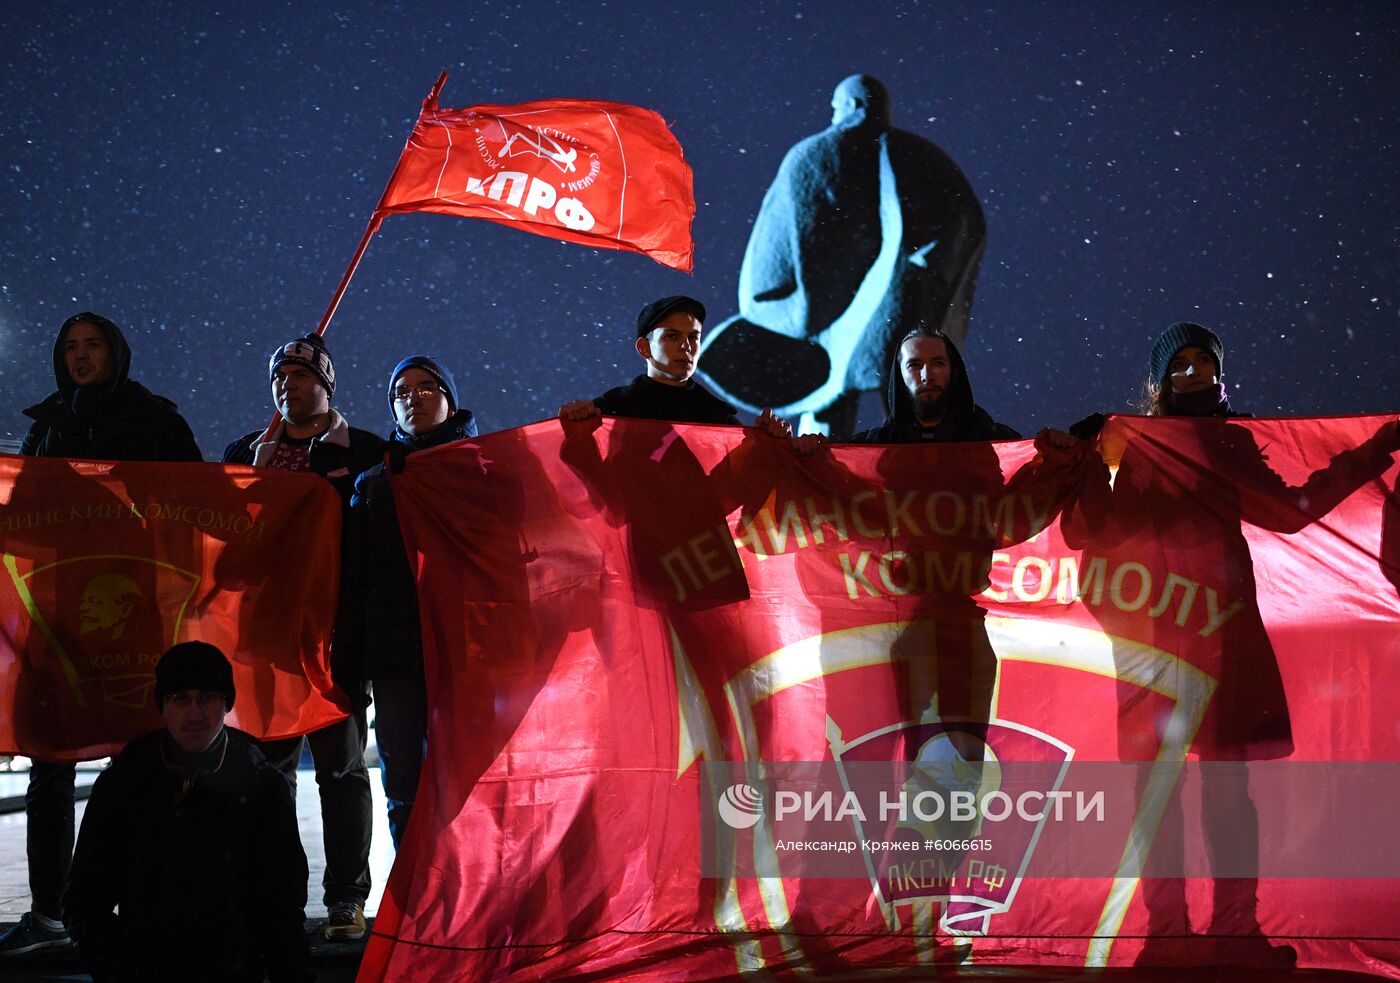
(595, 649)
(603, 174)
(108, 565)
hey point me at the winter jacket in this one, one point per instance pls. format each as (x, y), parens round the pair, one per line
(339, 455)
(119, 420)
(651, 400)
(964, 421)
(382, 633)
(210, 881)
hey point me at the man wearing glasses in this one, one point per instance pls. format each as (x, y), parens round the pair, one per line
(384, 634)
(312, 436)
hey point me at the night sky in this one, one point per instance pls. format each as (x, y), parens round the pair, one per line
(201, 175)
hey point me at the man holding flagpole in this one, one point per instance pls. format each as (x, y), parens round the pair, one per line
(313, 437)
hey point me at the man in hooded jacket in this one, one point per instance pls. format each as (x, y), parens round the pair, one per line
(952, 663)
(930, 397)
(98, 413)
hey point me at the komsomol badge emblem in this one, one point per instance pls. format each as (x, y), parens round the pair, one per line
(949, 779)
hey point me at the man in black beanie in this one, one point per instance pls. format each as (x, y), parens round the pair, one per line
(191, 836)
(314, 437)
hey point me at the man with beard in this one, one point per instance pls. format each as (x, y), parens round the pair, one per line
(947, 666)
(98, 413)
(930, 402)
(930, 397)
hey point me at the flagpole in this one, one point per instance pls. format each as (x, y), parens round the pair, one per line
(376, 219)
(429, 105)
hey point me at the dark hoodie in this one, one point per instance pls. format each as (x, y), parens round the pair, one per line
(964, 421)
(116, 420)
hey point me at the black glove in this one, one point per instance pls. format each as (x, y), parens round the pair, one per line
(398, 454)
(1089, 427)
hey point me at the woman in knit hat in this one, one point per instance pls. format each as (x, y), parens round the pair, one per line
(1185, 486)
(1184, 373)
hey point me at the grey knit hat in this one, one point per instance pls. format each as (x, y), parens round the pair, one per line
(1177, 337)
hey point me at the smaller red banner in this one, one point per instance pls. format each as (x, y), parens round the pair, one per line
(104, 566)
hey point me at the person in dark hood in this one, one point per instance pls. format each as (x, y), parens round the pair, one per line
(382, 633)
(948, 664)
(98, 413)
(930, 397)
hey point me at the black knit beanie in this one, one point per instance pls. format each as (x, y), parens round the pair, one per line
(194, 665)
(1177, 337)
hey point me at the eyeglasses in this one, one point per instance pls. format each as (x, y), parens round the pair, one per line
(187, 697)
(424, 390)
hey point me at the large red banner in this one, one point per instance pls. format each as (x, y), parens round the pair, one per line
(610, 612)
(602, 174)
(106, 565)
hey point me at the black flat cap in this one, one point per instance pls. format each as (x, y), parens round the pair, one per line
(657, 310)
